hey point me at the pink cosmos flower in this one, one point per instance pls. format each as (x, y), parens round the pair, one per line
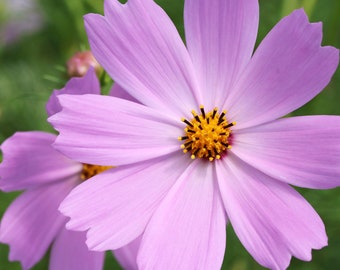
(32, 222)
(237, 165)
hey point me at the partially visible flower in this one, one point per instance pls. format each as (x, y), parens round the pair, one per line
(21, 17)
(80, 62)
(32, 223)
(218, 103)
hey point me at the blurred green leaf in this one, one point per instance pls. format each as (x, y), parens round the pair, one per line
(289, 5)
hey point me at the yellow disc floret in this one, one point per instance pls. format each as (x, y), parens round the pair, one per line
(206, 135)
(90, 170)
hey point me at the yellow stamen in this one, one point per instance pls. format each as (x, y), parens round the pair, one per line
(206, 135)
(90, 170)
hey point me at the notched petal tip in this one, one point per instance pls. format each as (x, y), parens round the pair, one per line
(291, 60)
(268, 235)
(65, 101)
(113, 5)
(91, 16)
(314, 29)
(63, 209)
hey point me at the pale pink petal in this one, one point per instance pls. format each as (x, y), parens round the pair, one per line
(118, 91)
(220, 37)
(127, 255)
(29, 160)
(139, 46)
(303, 151)
(188, 230)
(105, 130)
(69, 252)
(32, 221)
(288, 69)
(117, 204)
(89, 84)
(271, 219)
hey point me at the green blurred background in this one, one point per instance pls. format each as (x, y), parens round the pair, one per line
(32, 64)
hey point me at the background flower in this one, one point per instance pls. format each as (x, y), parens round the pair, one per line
(32, 222)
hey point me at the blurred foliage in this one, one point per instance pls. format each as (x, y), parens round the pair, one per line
(34, 65)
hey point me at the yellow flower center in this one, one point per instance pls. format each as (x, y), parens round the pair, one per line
(90, 170)
(207, 135)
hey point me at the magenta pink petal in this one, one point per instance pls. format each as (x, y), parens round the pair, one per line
(29, 160)
(288, 69)
(188, 230)
(32, 221)
(138, 45)
(89, 84)
(127, 255)
(220, 37)
(69, 252)
(271, 219)
(116, 205)
(303, 151)
(104, 130)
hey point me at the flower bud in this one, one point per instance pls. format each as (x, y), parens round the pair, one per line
(79, 63)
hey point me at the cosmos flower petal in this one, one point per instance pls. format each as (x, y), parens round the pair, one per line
(119, 92)
(105, 130)
(127, 255)
(147, 59)
(117, 204)
(271, 219)
(69, 252)
(303, 151)
(89, 84)
(29, 160)
(32, 221)
(288, 69)
(220, 37)
(188, 229)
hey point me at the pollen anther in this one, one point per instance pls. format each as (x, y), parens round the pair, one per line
(90, 170)
(207, 135)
